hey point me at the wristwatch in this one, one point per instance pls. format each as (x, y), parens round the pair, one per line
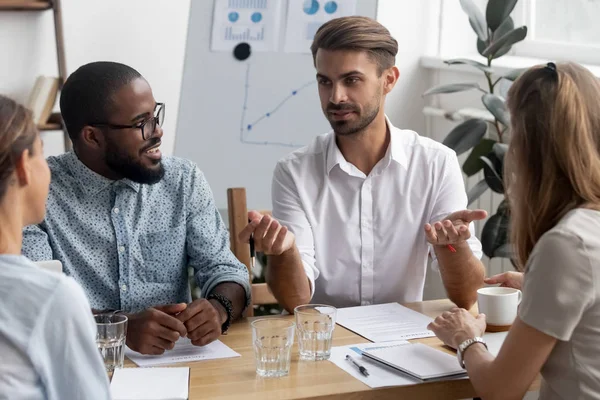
(465, 345)
(226, 303)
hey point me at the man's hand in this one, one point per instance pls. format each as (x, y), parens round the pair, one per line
(454, 229)
(509, 279)
(270, 237)
(203, 320)
(155, 330)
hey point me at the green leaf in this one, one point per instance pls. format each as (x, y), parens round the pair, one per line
(490, 172)
(514, 74)
(497, 11)
(473, 163)
(500, 150)
(466, 135)
(476, 64)
(507, 40)
(452, 88)
(495, 104)
(507, 26)
(504, 251)
(503, 208)
(476, 191)
(481, 46)
(494, 234)
(476, 18)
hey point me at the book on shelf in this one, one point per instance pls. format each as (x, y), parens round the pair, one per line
(42, 98)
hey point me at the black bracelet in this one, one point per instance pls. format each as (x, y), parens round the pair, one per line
(226, 303)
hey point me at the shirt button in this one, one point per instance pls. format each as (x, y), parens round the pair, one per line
(124, 288)
(121, 249)
(116, 210)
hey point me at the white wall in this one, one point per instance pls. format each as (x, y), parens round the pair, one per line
(148, 35)
(414, 24)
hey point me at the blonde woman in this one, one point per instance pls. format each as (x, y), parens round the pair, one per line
(553, 184)
(47, 334)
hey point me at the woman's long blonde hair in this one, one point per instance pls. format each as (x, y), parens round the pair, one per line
(553, 162)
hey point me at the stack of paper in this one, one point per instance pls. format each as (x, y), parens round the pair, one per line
(150, 384)
(418, 360)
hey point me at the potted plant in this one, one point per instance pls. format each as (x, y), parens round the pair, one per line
(486, 141)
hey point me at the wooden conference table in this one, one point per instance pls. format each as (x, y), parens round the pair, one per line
(235, 378)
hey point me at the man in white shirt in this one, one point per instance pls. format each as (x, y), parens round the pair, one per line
(357, 212)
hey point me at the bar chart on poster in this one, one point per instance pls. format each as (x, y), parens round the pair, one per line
(249, 93)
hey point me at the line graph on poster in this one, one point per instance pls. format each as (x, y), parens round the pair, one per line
(250, 122)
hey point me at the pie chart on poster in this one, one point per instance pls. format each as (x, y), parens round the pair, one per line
(311, 6)
(330, 7)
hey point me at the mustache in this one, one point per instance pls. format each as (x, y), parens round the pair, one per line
(341, 107)
(154, 142)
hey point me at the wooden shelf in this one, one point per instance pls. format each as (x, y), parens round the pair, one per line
(53, 123)
(50, 127)
(24, 5)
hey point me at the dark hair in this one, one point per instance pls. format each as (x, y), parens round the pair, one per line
(17, 134)
(86, 96)
(358, 34)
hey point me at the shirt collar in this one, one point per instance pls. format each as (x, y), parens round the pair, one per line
(396, 151)
(91, 182)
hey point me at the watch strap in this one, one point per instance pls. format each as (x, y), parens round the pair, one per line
(465, 345)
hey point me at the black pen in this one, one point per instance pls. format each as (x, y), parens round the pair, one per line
(252, 252)
(362, 369)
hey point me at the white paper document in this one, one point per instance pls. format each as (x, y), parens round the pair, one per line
(385, 322)
(304, 17)
(255, 22)
(150, 384)
(184, 351)
(380, 375)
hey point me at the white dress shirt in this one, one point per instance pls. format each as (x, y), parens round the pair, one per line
(361, 237)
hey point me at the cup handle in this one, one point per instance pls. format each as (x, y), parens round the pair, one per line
(520, 297)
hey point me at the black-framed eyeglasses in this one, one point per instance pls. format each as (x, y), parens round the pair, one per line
(147, 126)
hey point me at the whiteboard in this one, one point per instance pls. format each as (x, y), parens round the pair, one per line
(238, 118)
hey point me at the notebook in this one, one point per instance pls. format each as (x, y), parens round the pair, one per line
(150, 384)
(418, 360)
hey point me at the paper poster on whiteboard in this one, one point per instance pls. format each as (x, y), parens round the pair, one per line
(255, 22)
(304, 17)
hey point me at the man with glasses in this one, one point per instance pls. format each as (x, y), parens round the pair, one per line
(126, 222)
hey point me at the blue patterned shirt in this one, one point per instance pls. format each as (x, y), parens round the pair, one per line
(128, 244)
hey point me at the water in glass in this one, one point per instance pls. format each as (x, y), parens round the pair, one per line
(272, 341)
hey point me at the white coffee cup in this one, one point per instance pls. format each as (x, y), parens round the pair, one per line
(499, 304)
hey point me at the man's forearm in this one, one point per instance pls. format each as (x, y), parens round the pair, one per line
(287, 279)
(462, 274)
(235, 293)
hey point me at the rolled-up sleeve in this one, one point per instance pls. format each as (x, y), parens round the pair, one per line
(452, 197)
(36, 245)
(287, 209)
(207, 241)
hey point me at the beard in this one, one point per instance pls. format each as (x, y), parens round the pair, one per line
(131, 168)
(347, 128)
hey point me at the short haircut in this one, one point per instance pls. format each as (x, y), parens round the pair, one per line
(357, 34)
(86, 96)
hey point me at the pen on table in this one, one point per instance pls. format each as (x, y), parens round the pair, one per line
(362, 369)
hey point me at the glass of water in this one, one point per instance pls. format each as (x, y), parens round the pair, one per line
(272, 339)
(315, 324)
(110, 339)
